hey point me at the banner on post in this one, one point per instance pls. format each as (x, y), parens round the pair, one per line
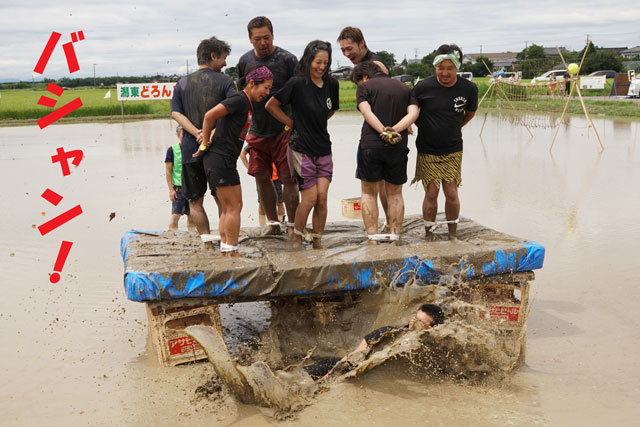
(144, 91)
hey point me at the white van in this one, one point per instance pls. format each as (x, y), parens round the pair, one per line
(545, 77)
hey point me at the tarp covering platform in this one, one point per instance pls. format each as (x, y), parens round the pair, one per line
(174, 264)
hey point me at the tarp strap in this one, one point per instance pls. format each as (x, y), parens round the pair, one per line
(433, 225)
(227, 248)
(210, 238)
(384, 237)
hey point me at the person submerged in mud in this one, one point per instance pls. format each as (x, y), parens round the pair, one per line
(428, 315)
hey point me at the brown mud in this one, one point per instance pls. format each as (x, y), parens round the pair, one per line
(271, 374)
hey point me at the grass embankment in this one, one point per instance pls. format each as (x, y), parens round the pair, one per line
(21, 106)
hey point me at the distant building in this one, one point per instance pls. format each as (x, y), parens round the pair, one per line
(630, 53)
(506, 60)
(616, 50)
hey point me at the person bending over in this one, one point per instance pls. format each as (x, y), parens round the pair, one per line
(232, 119)
(389, 108)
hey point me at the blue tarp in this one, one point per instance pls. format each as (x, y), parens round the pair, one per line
(156, 276)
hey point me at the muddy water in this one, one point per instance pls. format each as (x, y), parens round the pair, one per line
(77, 352)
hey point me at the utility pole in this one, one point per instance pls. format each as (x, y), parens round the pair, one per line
(187, 66)
(480, 49)
(94, 75)
(416, 53)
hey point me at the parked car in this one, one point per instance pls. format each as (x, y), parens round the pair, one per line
(406, 79)
(466, 75)
(610, 74)
(545, 77)
(341, 73)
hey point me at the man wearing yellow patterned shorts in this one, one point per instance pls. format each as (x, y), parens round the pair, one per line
(446, 104)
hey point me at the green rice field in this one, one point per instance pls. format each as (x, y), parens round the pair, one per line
(20, 105)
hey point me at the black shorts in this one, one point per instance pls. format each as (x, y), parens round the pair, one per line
(376, 164)
(194, 181)
(221, 170)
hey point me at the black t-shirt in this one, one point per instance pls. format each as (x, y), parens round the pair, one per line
(231, 130)
(371, 56)
(282, 64)
(375, 335)
(442, 110)
(193, 96)
(310, 105)
(389, 99)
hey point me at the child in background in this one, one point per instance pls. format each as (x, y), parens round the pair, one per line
(173, 175)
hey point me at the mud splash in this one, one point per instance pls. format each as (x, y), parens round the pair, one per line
(465, 347)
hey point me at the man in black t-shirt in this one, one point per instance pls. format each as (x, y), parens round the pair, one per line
(267, 137)
(354, 47)
(193, 96)
(427, 316)
(387, 105)
(447, 103)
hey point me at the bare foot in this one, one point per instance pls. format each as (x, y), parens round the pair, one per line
(429, 236)
(271, 230)
(317, 244)
(234, 254)
(296, 244)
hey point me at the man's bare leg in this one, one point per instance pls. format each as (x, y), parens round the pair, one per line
(369, 202)
(430, 207)
(268, 200)
(382, 193)
(395, 207)
(451, 205)
(291, 200)
(200, 219)
(190, 225)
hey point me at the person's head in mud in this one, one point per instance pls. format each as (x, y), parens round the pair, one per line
(261, 36)
(212, 53)
(428, 315)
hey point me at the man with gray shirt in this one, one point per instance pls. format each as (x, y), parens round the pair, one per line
(193, 96)
(267, 137)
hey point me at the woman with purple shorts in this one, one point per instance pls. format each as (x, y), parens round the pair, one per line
(313, 96)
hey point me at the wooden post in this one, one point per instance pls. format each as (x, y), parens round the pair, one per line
(122, 109)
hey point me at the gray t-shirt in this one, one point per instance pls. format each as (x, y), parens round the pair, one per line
(193, 96)
(282, 64)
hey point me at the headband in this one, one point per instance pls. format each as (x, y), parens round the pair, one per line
(260, 75)
(450, 56)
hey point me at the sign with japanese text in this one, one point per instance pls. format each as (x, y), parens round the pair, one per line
(592, 82)
(144, 91)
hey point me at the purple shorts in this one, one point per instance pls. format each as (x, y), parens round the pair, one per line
(307, 169)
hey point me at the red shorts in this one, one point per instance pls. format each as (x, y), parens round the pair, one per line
(265, 152)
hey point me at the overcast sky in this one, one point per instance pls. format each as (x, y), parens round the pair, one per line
(149, 37)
